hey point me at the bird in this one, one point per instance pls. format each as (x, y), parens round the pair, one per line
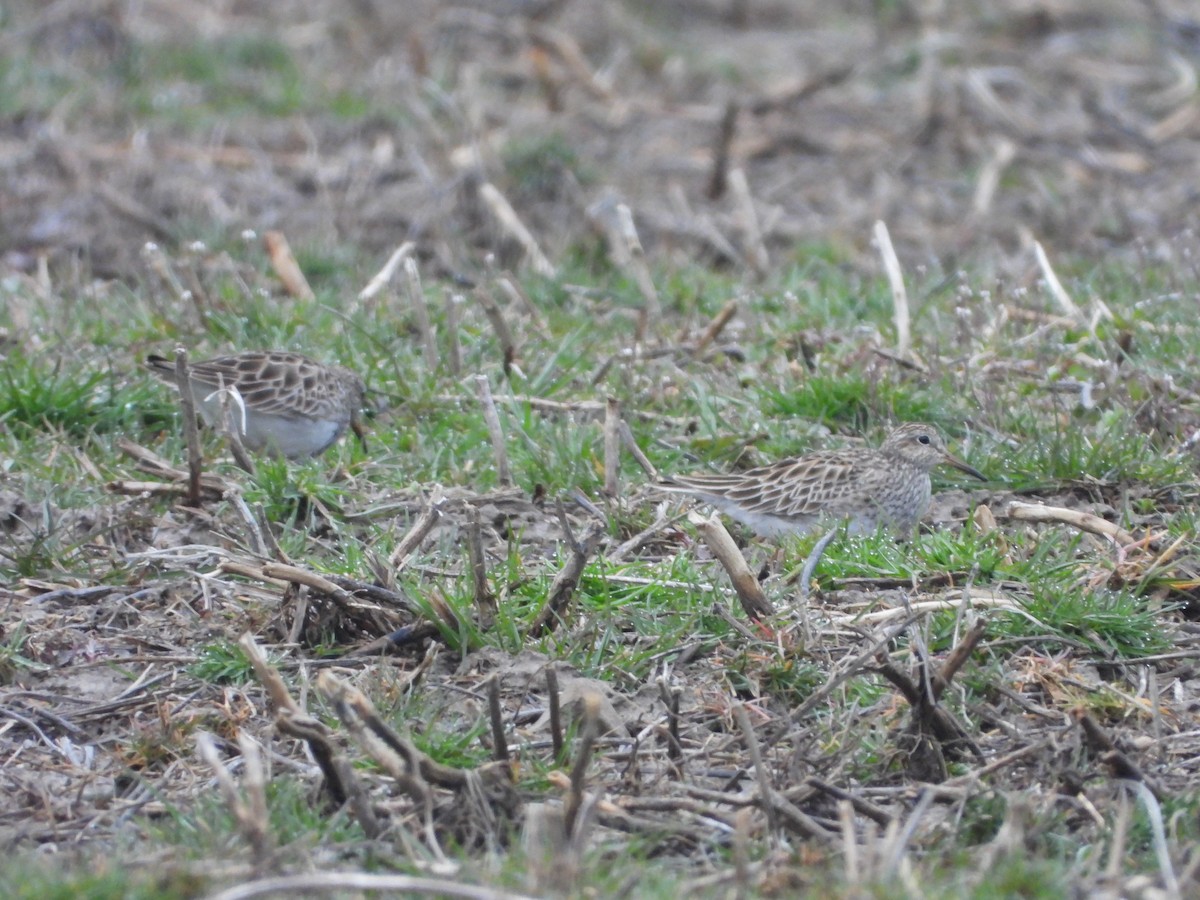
(864, 487)
(289, 405)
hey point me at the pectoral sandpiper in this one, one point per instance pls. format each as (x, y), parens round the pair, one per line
(864, 487)
(286, 403)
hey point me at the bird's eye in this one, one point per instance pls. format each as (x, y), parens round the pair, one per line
(923, 439)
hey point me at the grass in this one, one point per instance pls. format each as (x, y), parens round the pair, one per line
(796, 370)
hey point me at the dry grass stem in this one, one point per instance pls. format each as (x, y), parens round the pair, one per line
(589, 731)
(756, 250)
(612, 447)
(554, 702)
(491, 418)
(891, 266)
(748, 590)
(637, 262)
(635, 451)
(517, 297)
(191, 432)
(510, 222)
(1037, 512)
(336, 883)
(268, 676)
(558, 598)
(1055, 287)
(285, 266)
(249, 812)
(718, 179)
(384, 276)
(420, 307)
(1004, 152)
(568, 50)
(974, 599)
(258, 544)
(495, 316)
(451, 303)
(233, 424)
(417, 533)
(481, 591)
(496, 717)
(761, 775)
(716, 326)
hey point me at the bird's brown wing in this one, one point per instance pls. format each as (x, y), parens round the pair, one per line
(791, 488)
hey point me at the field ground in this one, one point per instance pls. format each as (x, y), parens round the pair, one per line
(554, 689)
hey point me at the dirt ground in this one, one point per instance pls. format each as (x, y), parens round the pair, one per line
(742, 135)
(970, 129)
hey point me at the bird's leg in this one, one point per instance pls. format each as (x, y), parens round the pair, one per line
(814, 557)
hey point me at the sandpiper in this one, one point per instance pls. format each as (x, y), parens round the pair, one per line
(285, 403)
(864, 487)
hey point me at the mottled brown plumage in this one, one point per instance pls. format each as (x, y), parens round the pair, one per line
(290, 404)
(867, 488)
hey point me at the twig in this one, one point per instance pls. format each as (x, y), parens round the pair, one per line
(492, 419)
(583, 756)
(384, 275)
(858, 804)
(637, 259)
(334, 883)
(485, 600)
(716, 326)
(670, 698)
(451, 303)
(957, 658)
(760, 771)
(249, 813)
(759, 260)
(612, 447)
(341, 782)
(268, 676)
(509, 286)
(508, 219)
(891, 266)
(491, 309)
(496, 716)
(1036, 512)
(1003, 152)
(161, 488)
(286, 267)
(718, 179)
(416, 297)
(566, 582)
(554, 701)
(749, 591)
(1057, 291)
(636, 452)
(418, 532)
(191, 432)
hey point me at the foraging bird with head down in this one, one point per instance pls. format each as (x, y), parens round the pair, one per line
(866, 488)
(285, 403)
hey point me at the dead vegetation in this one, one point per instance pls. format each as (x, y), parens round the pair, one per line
(423, 661)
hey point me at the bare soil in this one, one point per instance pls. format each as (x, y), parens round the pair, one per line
(971, 130)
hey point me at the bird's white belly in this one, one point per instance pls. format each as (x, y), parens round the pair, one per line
(292, 437)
